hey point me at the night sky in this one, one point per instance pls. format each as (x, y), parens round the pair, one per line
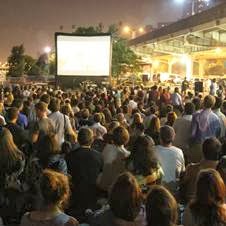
(33, 22)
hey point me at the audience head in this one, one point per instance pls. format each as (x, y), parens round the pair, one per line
(85, 137)
(12, 114)
(125, 197)
(171, 118)
(211, 149)
(218, 103)
(45, 98)
(144, 158)
(55, 189)
(41, 109)
(18, 103)
(161, 207)
(120, 136)
(97, 117)
(189, 108)
(208, 102)
(54, 105)
(167, 135)
(209, 197)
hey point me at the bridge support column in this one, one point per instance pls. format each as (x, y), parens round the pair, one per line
(170, 66)
(201, 68)
(189, 68)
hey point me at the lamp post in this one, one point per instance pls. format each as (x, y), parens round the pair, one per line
(47, 51)
(133, 31)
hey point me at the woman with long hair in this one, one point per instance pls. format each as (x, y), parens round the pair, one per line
(161, 207)
(55, 193)
(153, 129)
(49, 154)
(125, 204)
(208, 208)
(11, 158)
(144, 163)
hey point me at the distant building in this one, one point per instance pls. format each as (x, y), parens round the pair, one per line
(197, 6)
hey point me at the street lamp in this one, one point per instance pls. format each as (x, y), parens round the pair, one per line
(133, 31)
(47, 49)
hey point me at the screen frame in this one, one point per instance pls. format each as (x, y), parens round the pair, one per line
(81, 35)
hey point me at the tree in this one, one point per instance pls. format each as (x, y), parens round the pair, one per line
(123, 58)
(16, 61)
(29, 63)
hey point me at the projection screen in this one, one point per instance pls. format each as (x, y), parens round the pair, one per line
(83, 55)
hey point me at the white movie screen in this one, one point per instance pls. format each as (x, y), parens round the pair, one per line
(83, 55)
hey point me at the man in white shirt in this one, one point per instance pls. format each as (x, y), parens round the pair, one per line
(61, 122)
(170, 157)
(97, 128)
(176, 98)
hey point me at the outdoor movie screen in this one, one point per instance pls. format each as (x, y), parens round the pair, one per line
(83, 55)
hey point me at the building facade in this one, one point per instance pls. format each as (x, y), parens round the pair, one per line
(192, 7)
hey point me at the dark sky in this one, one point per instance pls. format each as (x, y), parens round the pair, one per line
(33, 22)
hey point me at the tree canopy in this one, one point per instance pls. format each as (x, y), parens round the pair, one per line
(16, 61)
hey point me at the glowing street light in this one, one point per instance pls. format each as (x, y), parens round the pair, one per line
(47, 49)
(133, 31)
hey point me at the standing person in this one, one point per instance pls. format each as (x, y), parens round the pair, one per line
(221, 116)
(204, 124)
(182, 127)
(11, 158)
(208, 206)
(84, 165)
(165, 97)
(170, 157)
(43, 125)
(55, 191)
(60, 121)
(19, 135)
(184, 86)
(177, 100)
(22, 118)
(213, 87)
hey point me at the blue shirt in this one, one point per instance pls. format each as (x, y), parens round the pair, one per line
(22, 120)
(205, 124)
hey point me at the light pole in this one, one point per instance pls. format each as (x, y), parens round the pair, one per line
(133, 31)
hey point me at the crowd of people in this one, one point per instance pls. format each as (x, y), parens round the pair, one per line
(102, 156)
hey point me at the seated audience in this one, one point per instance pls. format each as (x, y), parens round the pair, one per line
(114, 156)
(170, 157)
(161, 208)
(55, 192)
(211, 152)
(208, 206)
(125, 202)
(144, 164)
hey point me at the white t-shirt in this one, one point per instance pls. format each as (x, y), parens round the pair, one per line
(111, 151)
(171, 160)
(61, 123)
